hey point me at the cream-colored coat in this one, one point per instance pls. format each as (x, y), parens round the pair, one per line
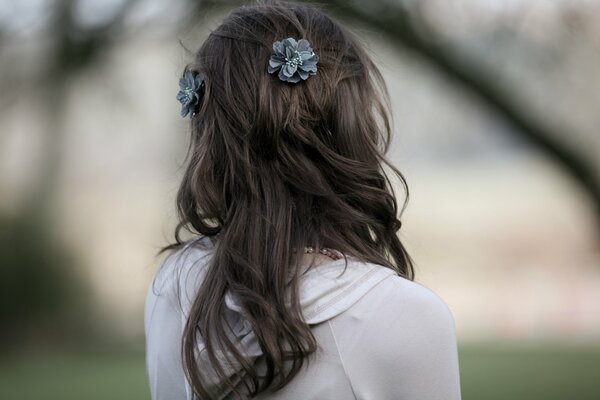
(380, 336)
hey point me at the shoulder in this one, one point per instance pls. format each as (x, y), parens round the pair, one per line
(398, 320)
(403, 301)
(400, 341)
(410, 311)
(411, 297)
(181, 272)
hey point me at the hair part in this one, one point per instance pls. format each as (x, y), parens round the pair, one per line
(273, 167)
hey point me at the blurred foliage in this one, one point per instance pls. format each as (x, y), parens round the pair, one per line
(406, 25)
(42, 299)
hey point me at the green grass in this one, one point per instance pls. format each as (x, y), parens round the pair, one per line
(488, 372)
(530, 372)
(81, 376)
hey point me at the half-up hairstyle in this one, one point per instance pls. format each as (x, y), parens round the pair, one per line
(273, 167)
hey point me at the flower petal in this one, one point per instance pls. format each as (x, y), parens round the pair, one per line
(278, 48)
(308, 67)
(185, 109)
(289, 53)
(290, 43)
(181, 96)
(195, 98)
(303, 45)
(295, 78)
(182, 83)
(310, 62)
(276, 62)
(189, 79)
(303, 74)
(305, 55)
(282, 75)
(289, 69)
(198, 81)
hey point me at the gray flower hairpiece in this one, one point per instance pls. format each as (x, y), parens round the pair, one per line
(190, 93)
(295, 60)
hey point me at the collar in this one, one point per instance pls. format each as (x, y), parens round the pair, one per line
(325, 291)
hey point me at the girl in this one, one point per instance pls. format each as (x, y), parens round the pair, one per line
(294, 284)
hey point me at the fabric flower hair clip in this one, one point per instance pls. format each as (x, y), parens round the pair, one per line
(191, 91)
(295, 60)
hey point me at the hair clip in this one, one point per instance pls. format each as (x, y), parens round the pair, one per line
(295, 60)
(190, 93)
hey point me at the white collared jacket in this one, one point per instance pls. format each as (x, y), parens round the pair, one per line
(380, 336)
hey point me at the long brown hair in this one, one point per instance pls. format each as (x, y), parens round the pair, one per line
(273, 167)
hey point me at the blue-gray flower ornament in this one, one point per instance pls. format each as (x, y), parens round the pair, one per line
(294, 60)
(191, 90)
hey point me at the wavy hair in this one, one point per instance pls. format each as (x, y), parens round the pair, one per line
(273, 167)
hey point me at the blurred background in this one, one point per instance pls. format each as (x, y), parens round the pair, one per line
(497, 114)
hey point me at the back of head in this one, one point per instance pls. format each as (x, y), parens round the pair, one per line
(275, 166)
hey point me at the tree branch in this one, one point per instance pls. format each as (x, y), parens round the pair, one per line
(395, 23)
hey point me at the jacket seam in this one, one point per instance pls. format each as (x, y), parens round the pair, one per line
(341, 358)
